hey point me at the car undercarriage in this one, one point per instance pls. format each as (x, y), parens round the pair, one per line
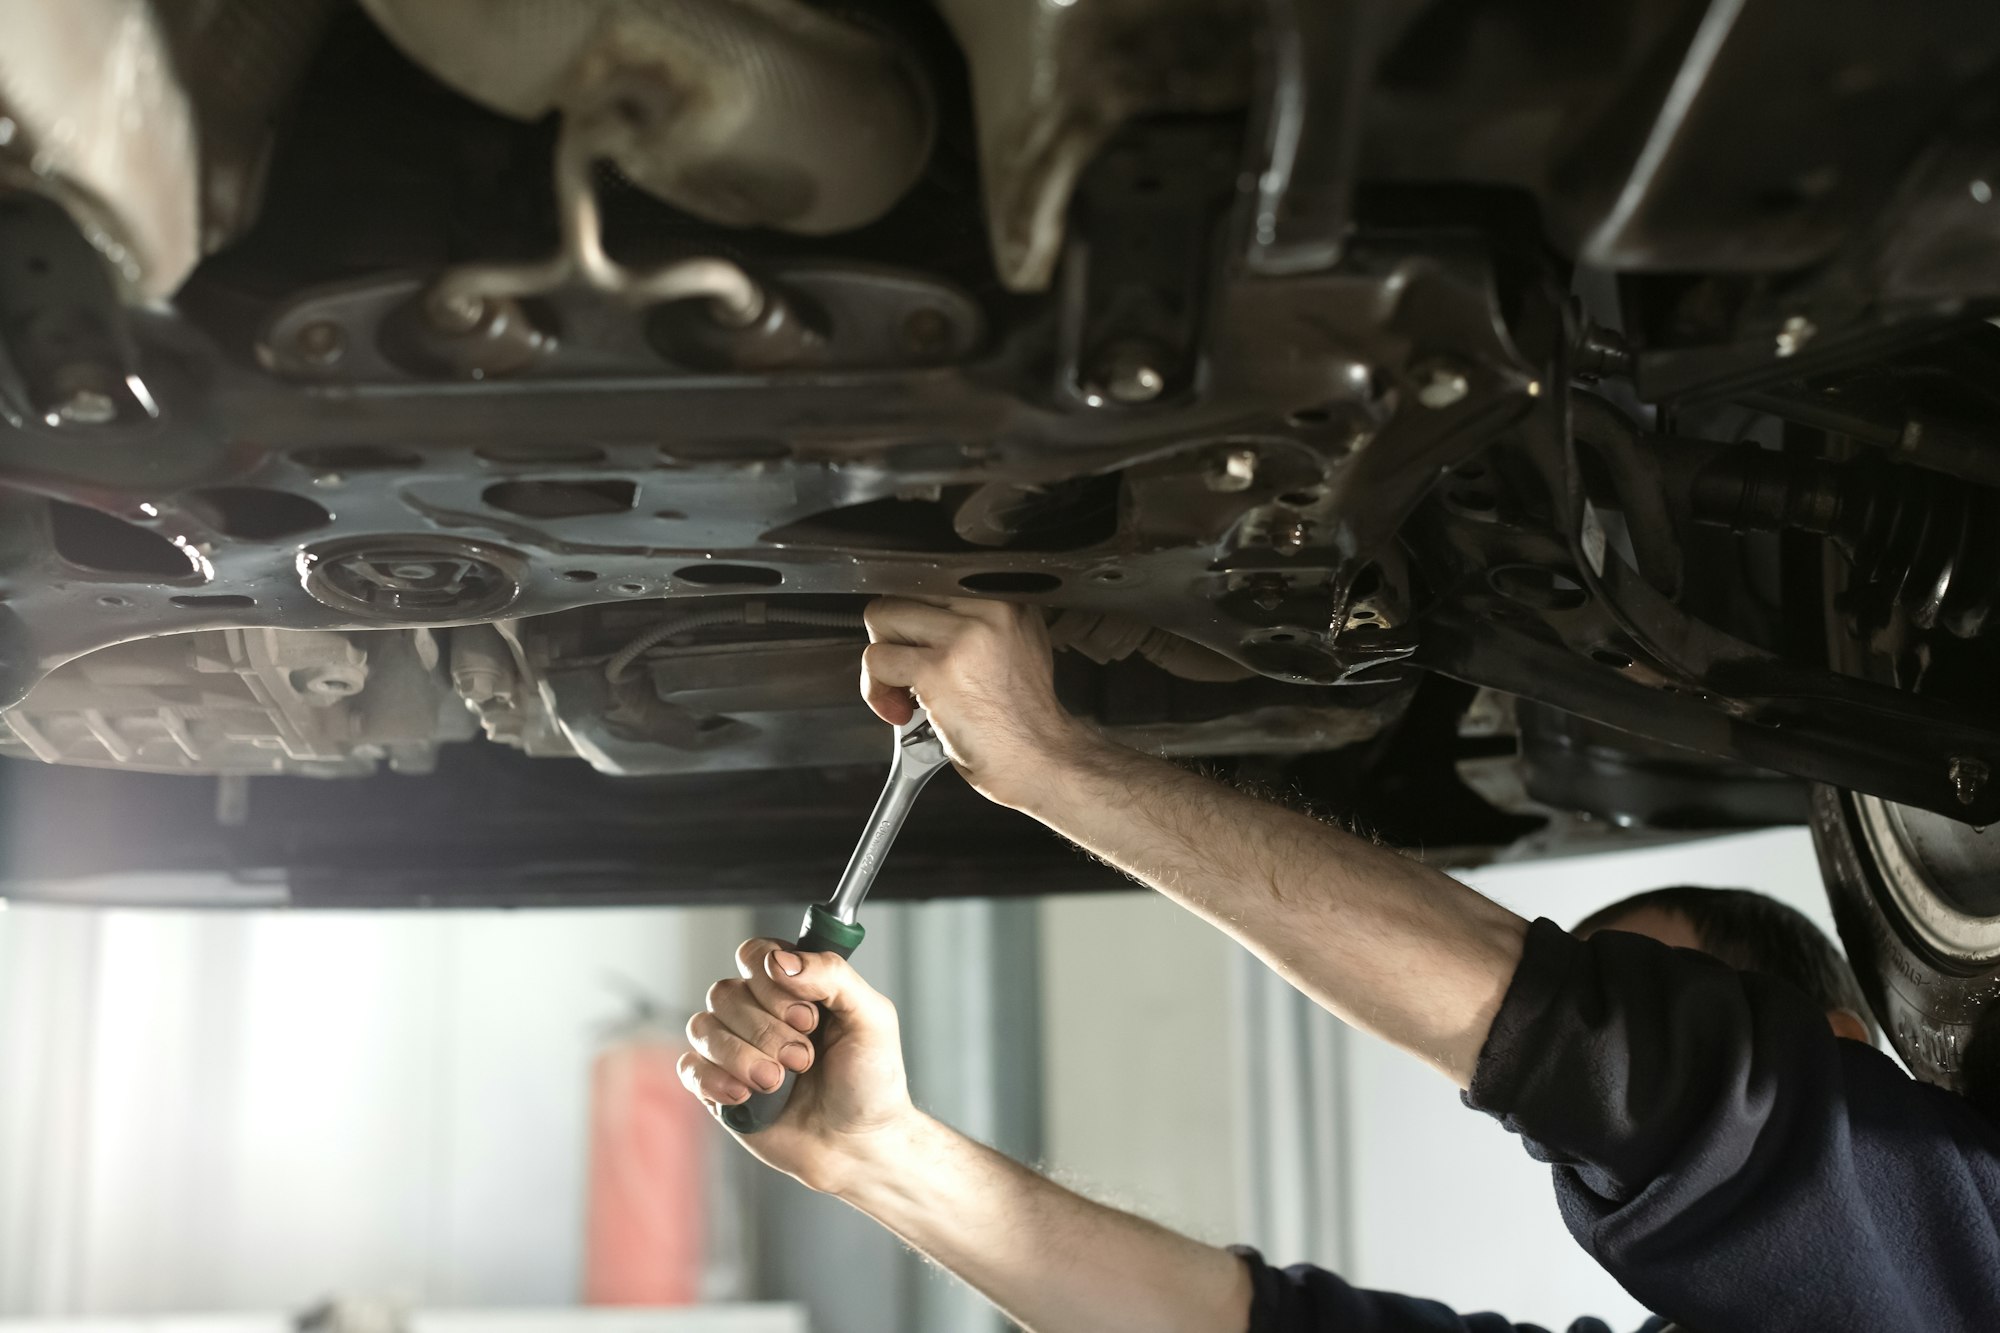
(1504, 426)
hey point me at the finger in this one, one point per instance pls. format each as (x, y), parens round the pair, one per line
(710, 1082)
(888, 673)
(924, 624)
(997, 614)
(830, 981)
(737, 1005)
(797, 1014)
(714, 1042)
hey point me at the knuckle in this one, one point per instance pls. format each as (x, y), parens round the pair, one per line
(720, 993)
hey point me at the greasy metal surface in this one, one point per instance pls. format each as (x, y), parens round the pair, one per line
(710, 466)
(1051, 83)
(750, 113)
(98, 118)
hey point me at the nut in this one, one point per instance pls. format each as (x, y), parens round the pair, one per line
(1796, 333)
(1237, 472)
(1441, 383)
(1127, 372)
(1968, 778)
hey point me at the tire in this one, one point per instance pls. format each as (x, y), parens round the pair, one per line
(1917, 901)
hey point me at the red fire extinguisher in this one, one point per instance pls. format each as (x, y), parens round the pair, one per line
(649, 1145)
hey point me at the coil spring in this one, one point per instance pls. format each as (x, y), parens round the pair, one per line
(1926, 541)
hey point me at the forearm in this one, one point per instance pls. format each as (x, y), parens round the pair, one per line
(1052, 1260)
(1387, 944)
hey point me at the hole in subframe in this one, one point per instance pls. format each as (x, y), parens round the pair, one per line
(1284, 638)
(1310, 416)
(580, 575)
(671, 515)
(540, 453)
(570, 498)
(1535, 586)
(742, 576)
(1610, 657)
(217, 601)
(1010, 580)
(1297, 498)
(90, 539)
(257, 514)
(356, 458)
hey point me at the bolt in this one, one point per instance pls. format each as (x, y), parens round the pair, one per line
(1290, 535)
(87, 407)
(334, 685)
(329, 481)
(1441, 383)
(320, 343)
(82, 393)
(1126, 372)
(1968, 778)
(1796, 333)
(455, 312)
(1238, 470)
(413, 573)
(1267, 591)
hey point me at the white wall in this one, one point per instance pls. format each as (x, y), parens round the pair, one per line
(1135, 1029)
(251, 1111)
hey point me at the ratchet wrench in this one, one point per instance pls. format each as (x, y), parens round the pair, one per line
(830, 927)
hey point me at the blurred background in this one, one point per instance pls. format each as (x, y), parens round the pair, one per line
(465, 1122)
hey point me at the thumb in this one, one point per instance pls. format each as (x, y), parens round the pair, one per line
(828, 980)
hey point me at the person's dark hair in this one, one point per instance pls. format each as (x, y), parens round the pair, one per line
(1754, 933)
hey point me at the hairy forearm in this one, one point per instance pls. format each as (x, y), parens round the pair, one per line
(1387, 944)
(1051, 1259)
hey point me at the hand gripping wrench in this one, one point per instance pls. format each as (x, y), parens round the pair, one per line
(830, 927)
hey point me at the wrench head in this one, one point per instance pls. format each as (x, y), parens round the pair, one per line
(918, 748)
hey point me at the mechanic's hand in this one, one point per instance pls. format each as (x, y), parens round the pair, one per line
(983, 672)
(851, 1093)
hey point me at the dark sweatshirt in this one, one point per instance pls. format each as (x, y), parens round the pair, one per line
(1721, 1153)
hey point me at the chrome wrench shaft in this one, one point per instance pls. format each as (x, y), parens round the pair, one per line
(831, 927)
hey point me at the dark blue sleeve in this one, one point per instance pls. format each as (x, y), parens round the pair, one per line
(1304, 1299)
(1728, 1159)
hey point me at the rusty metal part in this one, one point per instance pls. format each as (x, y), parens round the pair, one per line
(749, 113)
(1052, 83)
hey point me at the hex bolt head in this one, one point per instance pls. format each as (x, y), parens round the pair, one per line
(87, 407)
(1127, 372)
(1968, 778)
(1267, 591)
(81, 393)
(455, 312)
(1440, 383)
(1236, 473)
(1795, 334)
(1290, 534)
